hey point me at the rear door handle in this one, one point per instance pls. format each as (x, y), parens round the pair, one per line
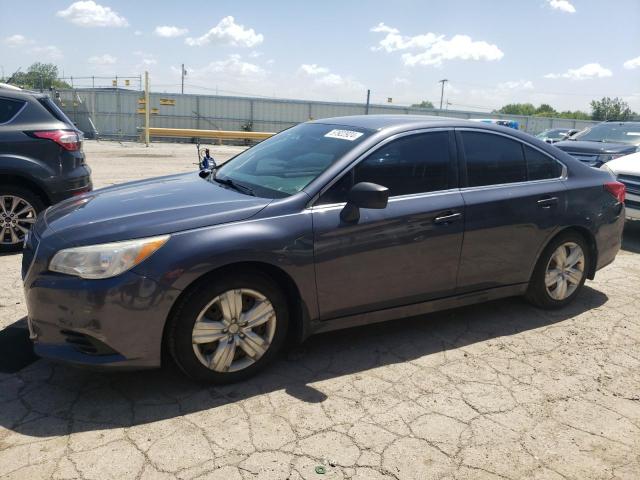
(547, 202)
(450, 217)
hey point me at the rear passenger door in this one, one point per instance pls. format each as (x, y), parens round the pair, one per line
(514, 198)
(405, 253)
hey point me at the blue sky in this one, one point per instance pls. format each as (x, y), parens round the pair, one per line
(563, 52)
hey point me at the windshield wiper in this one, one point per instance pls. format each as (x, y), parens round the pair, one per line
(236, 186)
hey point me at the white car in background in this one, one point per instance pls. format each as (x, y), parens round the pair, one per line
(627, 170)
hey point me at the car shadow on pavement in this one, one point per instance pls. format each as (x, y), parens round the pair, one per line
(631, 237)
(48, 400)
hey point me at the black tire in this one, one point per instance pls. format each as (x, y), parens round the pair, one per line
(34, 200)
(180, 327)
(537, 293)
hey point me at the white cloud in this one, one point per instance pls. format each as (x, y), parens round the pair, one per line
(516, 85)
(313, 69)
(323, 77)
(105, 59)
(137, 33)
(50, 52)
(91, 14)
(400, 81)
(633, 63)
(228, 32)
(169, 31)
(433, 49)
(590, 70)
(146, 59)
(563, 5)
(17, 41)
(232, 65)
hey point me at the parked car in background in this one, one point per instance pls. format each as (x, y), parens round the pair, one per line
(41, 161)
(498, 121)
(627, 171)
(603, 142)
(553, 135)
(330, 224)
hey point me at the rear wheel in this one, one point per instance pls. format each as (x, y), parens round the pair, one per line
(19, 208)
(228, 330)
(560, 273)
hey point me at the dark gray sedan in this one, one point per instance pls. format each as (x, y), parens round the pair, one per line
(330, 224)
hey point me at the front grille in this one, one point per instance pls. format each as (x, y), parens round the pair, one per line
(632, 182)
(632, 204)
(585, 157)
(86, 343)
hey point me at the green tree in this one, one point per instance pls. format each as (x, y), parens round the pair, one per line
(423, 104)
(518, 109)
(611, 109)
(39, 76)
(546, 110)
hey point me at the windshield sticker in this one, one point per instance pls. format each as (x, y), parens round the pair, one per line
(349, 135)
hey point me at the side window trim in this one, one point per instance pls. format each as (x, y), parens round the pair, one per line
(462, 163)
(18, 112)
(455, 178)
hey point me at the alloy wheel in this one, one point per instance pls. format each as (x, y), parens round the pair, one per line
(234, 330)
(16, 218)
(565, 271)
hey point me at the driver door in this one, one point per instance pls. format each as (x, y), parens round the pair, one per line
(403, 254)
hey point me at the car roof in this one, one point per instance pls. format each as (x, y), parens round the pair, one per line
(408, 122)
(20, 94)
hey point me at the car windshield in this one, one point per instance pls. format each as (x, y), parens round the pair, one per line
(611, 132)
(555, 134)
(287, 162)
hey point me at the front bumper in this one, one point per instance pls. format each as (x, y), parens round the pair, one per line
(111, 323)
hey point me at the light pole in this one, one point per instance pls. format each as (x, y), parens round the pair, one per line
(443, 81)
(183, 72)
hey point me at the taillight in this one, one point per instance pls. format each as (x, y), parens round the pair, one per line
(67, 139)
(616, 189)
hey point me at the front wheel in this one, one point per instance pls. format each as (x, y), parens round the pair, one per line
(228, 330)
(560, 273)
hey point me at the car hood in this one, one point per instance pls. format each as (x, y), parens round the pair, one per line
(149, 207)
(581, 146)
(627, 165)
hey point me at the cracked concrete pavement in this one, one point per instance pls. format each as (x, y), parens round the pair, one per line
(499, 390)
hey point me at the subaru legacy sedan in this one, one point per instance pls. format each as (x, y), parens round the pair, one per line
(330, 224)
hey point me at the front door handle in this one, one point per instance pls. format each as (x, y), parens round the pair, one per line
(449, 217)
(547, 202)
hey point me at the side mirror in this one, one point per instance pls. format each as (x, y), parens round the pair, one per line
(364, 195)
(204, 173)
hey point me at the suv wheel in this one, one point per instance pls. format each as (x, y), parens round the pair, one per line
(228, 330)
(560, 273)
(19, 208)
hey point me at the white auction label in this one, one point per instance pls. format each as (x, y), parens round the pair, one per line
(349, 135)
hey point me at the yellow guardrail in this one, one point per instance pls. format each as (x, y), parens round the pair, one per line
(192, 132)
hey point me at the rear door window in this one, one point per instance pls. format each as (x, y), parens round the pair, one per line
(541, 166)
(9, 108)
(492, 159)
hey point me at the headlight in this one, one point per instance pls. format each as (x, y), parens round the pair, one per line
(106, 260)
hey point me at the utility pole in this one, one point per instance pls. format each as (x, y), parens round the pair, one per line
(443, 81)
(183, 74)
(147, 108)
(366, 109)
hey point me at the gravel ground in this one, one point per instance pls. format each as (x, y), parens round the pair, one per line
(500, 390)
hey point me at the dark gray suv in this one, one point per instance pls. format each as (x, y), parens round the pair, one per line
(41, 161)
(330, 224)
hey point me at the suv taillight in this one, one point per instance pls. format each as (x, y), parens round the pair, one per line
(617, 189)
(67, 139)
